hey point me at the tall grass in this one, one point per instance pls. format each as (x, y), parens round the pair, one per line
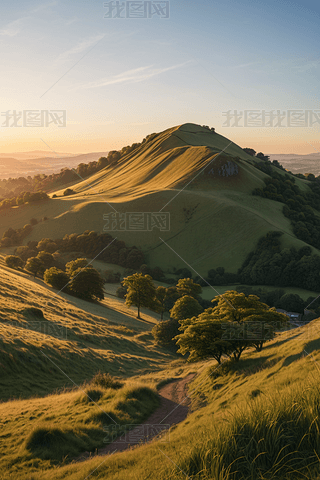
(272, 437)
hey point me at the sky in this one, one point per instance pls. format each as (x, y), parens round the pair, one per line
(76, 79)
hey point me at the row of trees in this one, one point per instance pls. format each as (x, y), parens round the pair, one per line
(298, 205)
(76, 278)
(291, 302)
(12, 237)
(89, 243)
(23, 198)
(141, 292)
(235, 323)
(268, 264)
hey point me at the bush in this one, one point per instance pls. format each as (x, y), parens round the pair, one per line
(33, 221)
(87, 283)
(33, 311)
(12, 261)
(121, 292)
(68, 191)
(105, 380)
(6, 242)
(165, 331)
(74, 265)
(185, 307)
(91, 395)
(56, 278)
(34, 265)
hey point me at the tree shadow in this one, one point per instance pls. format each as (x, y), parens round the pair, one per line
(312, 345)
(292, 358)
(281, 342)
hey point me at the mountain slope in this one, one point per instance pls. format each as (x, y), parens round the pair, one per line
(200, 178)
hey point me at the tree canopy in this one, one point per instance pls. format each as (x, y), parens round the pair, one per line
(141, 291)
(236, 323)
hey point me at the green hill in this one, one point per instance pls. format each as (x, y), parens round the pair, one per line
(214, 219)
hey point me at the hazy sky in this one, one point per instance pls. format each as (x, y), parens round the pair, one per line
(119, 79)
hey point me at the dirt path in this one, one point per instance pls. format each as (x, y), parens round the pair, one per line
(173, 409)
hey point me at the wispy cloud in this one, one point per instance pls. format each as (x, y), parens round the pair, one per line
(79, 48)
(13, 28)
(132, 76)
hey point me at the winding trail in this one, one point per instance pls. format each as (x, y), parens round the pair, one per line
(173, 409)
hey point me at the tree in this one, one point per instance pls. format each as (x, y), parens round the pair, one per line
(121, 291)
(46, 259)
(291, 302)
(13, 261)
(102, 162)
(87, 283)
(47, 245)
(234, 309)
(161, 297)
(141, 291)
(186, 286)
(165, 332)
(236, 323)
(263, 157)
(185, 307)
(34, 265)
(74, 265)
(249, 151)
(25, 252)
(202, 338)
(56, 278)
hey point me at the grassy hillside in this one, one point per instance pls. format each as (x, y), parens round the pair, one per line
(214, 219)
(258, 419)
(73, 339)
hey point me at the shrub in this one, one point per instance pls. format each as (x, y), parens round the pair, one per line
(87, 283)
(105, 380)
(56, 278)
(91, 395)
(34, 265)
(33, 221)
(34, 311)
(6, 242)
(74, 265)
(185, 307)
(13, 261)
(165, 331)
(53, 443)
(121, 292)
(68, 191)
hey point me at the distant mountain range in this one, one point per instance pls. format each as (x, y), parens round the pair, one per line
(299, 163)
(23, 164)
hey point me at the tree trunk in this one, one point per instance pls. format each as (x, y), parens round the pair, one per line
(139, 312)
